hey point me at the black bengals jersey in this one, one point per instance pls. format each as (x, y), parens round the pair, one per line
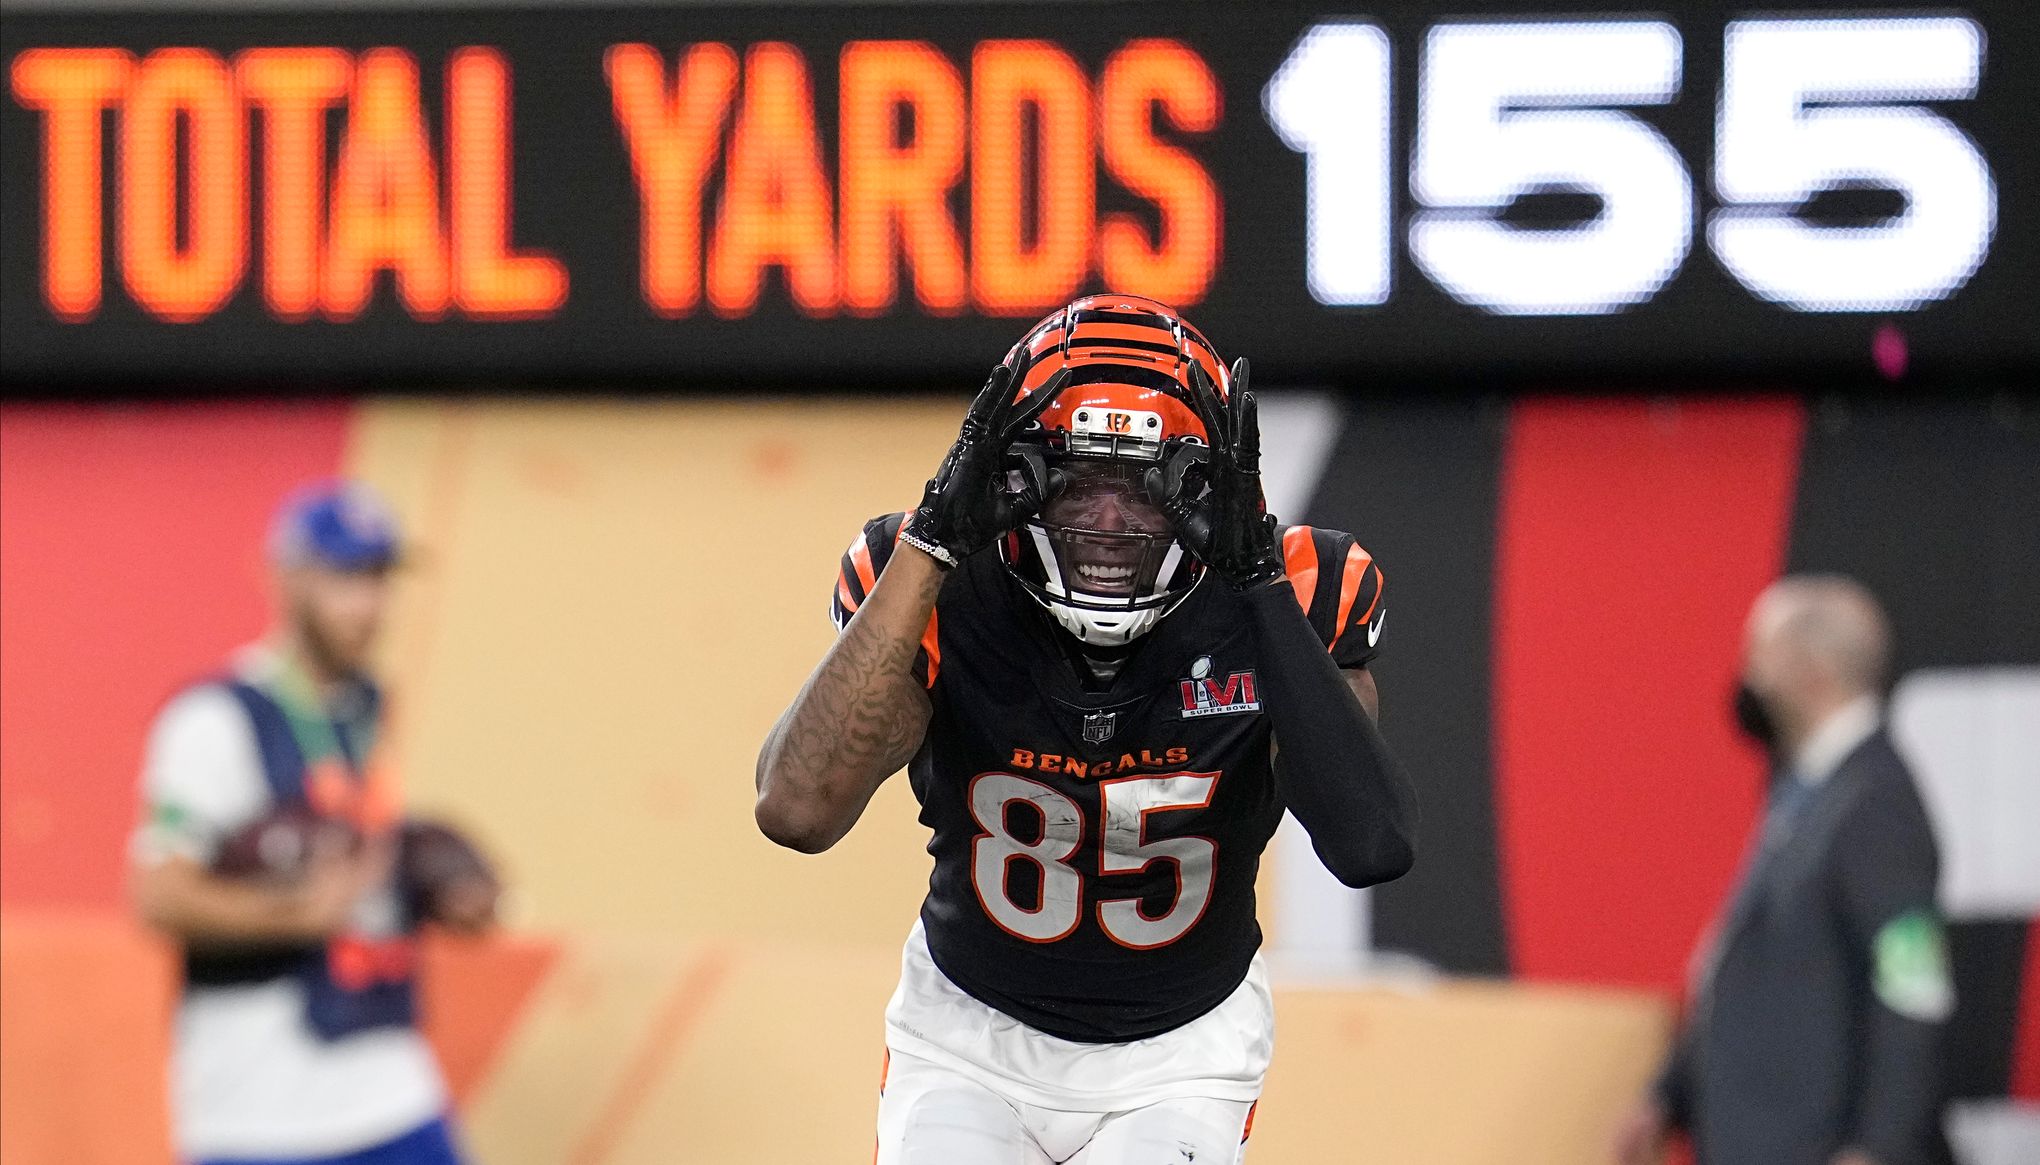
(1095, 851)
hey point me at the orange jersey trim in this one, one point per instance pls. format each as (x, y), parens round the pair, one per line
(932, 644)
(1300, 562)
(1380, 581)
(1357, 562)
(860, 560)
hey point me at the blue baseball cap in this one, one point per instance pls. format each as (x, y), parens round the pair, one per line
(341, 524)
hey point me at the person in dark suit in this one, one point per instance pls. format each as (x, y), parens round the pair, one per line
(1818, 1000)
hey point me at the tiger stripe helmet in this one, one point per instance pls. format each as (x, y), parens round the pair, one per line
(1128, 364)
(1120, 368)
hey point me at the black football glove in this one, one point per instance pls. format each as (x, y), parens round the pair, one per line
(1213, 496)
(984, 487)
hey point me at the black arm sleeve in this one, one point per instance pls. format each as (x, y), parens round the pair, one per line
(1885, 871)
(1332, 768)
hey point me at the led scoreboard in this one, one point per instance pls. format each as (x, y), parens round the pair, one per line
(864, 195)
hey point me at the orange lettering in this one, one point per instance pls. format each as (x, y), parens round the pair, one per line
(293, 88)
(1009, 78)
(672, 143)
(489, 279)
(1178, 755)
(183, 283)
(1076, 768)
(1023, 759)
(900, 191)
(385, 195)
(1102, 769)
(72, 88)
(775, 203)
(1051, 762)
(1168, 76)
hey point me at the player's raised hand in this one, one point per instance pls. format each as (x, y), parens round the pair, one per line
(1214, 497)
(980, 491)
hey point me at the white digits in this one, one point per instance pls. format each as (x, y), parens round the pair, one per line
(1330, 102)
(1505, 109)
(1809, 104)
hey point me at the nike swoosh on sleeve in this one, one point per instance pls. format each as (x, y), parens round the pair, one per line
(1374, 628)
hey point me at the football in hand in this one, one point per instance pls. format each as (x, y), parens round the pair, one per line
(444, 877)
(280, 847)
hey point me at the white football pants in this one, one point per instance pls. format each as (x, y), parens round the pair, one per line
(929, 1115)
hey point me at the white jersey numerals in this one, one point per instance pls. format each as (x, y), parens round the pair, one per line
(1125, 848)
(993, 853)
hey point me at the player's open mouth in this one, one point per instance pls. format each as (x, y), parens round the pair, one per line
(1100, 577)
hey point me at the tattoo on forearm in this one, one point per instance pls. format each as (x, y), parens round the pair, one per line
(861, 709)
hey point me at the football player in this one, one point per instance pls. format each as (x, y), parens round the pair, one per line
(1109, 672)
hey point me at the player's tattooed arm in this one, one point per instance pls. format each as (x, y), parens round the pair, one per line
(859, 717)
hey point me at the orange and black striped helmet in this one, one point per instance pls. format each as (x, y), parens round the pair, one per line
(1123, 362)
(1120, 369)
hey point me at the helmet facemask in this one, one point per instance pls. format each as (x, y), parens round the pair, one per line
(1101, 555)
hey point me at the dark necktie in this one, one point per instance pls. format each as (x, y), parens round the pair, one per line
(1789, 798)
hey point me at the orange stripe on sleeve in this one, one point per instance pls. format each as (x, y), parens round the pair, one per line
(843, 594)
(1357, 562)
(1380, 580)
(932, 644)
(860, 559)
(1299, 561)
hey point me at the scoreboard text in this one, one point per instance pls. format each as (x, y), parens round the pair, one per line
(638, 192)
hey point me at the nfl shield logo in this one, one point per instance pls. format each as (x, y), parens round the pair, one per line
(1099, 726)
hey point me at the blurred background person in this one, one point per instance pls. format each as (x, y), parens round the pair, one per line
(1814, 1032)
(271, 850)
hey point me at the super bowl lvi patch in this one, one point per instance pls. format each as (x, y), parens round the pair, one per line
(1909, 967)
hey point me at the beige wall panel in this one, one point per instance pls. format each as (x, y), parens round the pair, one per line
(1458, 1074)
(614, 601)
(555, 1083)
(784, 1065)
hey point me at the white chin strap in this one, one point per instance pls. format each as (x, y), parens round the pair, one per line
(1100, 628)
(1105, 628)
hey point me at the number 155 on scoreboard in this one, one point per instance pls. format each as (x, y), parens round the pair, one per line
(1516, 108)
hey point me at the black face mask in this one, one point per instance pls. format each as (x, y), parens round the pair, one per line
(1753, 716)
